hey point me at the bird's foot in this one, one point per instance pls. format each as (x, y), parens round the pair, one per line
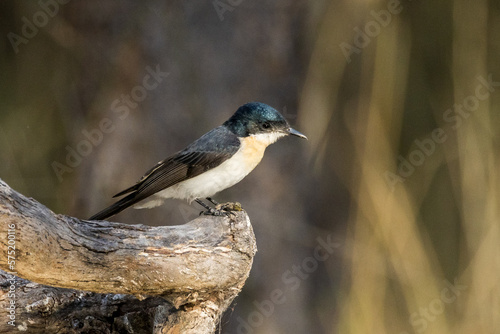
(215, 212)
(223, 209)
(229, 206)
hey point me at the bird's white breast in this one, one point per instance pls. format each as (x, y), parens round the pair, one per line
(227, 174)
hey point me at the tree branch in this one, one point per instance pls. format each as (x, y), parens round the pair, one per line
(197, 268)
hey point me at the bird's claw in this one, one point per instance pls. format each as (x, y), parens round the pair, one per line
(224, 209)
(229, 206)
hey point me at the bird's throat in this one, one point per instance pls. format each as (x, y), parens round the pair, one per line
(254, 146)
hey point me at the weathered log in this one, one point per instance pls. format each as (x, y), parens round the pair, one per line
(80, 276)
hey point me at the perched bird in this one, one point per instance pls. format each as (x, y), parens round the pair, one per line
(217, 160)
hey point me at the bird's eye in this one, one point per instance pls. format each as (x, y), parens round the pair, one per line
(266, 125)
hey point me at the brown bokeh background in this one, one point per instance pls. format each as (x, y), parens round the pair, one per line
(401, 173)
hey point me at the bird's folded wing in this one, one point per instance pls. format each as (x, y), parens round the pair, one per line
(176, 169)
(208, 152)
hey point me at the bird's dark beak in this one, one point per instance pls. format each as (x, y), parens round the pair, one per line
(296, 133)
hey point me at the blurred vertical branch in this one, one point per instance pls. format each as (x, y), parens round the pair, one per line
(404, 245)
(385, 219)
(479, 179)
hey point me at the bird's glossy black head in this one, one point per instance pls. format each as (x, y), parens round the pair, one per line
(256, 118)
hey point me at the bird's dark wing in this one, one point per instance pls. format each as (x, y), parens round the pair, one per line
(208, 152)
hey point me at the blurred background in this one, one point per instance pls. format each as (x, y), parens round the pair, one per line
(385, 221)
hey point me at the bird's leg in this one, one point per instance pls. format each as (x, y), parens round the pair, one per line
(211, 211)
(222, 209)
(200, 202)
(211, 200)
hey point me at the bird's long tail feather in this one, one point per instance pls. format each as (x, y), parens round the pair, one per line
(117, 207)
